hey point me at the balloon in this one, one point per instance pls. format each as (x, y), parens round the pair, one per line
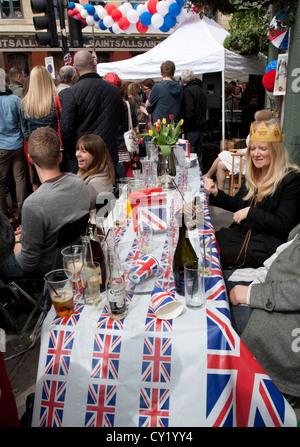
(162, 8)
(141, 28)
(101, 11)
(102, 26)
(109, 8)
(124, 23)
(174, 9)
(133, 16)
(169, 21)
(116, 29)
(90, 20)
(125, 8)
(116, 14)
(157, 20)
(268, 80)
(145, 18)
(141, 8)
(72, 12)
(79, 7)
(108, 21)
(164, 29)
(96, 18)
(90, 9)
(78, 15)
(180, 2)
(151, 6)
(271, 66)
(71, 5)
(84, 13)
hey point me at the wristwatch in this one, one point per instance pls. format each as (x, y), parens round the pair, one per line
(18, 242)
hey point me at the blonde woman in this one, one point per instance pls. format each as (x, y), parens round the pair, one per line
(37, 108)
(266, 207)
(95, 165)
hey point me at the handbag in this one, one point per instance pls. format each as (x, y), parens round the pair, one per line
(130, 135)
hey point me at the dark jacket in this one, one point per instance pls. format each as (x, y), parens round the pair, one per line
(165, 99)
(91, 106)
(193, 107)
(271, 220)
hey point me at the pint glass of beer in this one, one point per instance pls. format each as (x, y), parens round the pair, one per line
(60, 288)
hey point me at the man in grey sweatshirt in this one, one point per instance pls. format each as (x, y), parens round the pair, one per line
(62, 198)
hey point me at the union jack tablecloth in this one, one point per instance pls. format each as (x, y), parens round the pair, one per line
(192, 371)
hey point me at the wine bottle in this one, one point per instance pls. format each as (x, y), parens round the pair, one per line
(136, 166)
(184, 252)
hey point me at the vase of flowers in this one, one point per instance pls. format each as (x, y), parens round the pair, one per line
(164, 136)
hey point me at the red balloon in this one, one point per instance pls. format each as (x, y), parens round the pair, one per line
(72, 12)
(109, 8)
(116, 14)
(124, 23)
(268, 80)
(141, 28)
(78, 15)
(151, 6)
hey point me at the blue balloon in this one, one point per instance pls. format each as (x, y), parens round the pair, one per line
(180, 2)
(174, 9)
(271, 66)
(90, 9)
(145, 18)
(96, 17)
(169, 21)
(136, 5)
(164, 28)
(102, 26)
(111, 30)
(71, 5)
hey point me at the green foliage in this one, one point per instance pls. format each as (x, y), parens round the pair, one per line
(248, 33)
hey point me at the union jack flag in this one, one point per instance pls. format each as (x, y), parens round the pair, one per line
(52, 403)
(72, 320)
(154, 407)
(154, 324)
(100, 409)
(105, 322)
(229, 365)
(156, 365)
(59, 352)
(67, 59)
(106, 356)
(156, 215)
(146, 267)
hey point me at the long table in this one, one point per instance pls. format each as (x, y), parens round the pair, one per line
(192, 371)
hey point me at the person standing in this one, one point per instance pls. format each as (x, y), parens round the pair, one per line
(11, 147)
(166, 96)
(67, 76)
(17, 78)
(91, 106)
(193, 112)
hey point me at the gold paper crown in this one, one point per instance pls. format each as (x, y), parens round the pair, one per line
(262, 134)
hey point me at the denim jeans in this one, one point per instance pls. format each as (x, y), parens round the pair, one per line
(239, 314)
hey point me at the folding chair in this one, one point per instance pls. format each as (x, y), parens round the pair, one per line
(69, 234)
(236, 178)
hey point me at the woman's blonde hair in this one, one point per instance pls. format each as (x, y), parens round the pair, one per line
(38, 100)
(102, 160)
(280, 165)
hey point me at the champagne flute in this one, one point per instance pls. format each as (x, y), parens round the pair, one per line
(73, 263)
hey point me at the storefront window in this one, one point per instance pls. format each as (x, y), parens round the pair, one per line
(11, 9)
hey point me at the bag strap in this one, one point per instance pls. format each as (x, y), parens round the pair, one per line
(130, 126)
(58, 110)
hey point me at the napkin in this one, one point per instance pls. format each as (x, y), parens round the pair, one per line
(165, 305)
(147, 266)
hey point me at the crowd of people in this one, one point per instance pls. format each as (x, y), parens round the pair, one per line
(71, 139)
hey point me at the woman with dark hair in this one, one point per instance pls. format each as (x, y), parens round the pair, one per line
(95, 165)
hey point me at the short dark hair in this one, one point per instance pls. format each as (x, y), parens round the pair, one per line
(44, 147)
(167, 68)
(15, 71)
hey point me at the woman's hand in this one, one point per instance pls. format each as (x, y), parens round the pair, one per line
(238, 295)
(210, 186)
(241, 215)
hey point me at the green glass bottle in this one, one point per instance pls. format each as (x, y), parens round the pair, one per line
(184, 252)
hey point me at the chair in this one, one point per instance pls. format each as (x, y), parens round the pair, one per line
(69, 234)
(238, 176)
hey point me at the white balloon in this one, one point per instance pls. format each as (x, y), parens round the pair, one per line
(157, 20)
(84, 13)
(108, 21)
(90, 20)
(133, 16)
(162, 8)
(116, 29)
(140, 9)
(125, 7)
(79, 7)
(130, 29)
(96, 24)
(101, 12)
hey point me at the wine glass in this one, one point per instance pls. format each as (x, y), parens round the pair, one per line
(73, 262)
